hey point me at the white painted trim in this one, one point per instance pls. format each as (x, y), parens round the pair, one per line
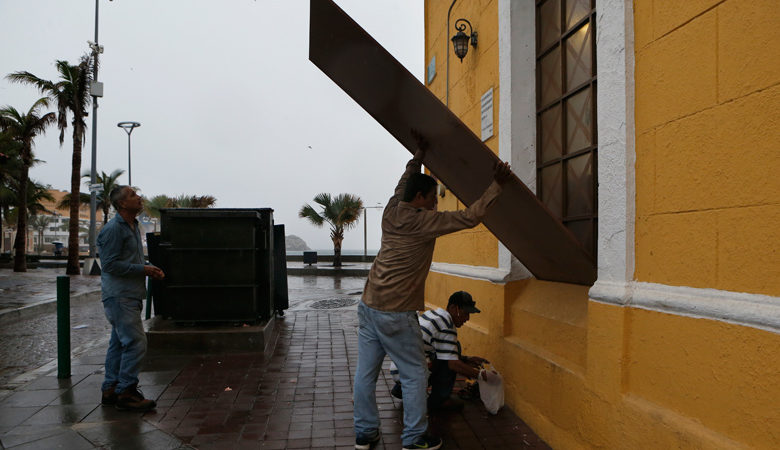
(750, 310)
(616, 154)
(517, 87)
(517, 103)
(481, 273)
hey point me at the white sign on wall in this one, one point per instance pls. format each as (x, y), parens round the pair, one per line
(487, 114)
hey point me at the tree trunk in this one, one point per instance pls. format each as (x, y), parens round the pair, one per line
(20, 258)
(75, 180)
(337, 252)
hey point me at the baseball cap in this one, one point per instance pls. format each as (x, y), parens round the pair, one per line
(463, 300)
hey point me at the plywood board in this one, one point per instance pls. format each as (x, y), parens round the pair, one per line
(400, 103)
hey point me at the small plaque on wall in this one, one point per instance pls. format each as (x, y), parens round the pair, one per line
(487, 115)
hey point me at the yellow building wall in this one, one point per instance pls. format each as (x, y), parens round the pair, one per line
(585, 374)
(468, 80)
(708, 144)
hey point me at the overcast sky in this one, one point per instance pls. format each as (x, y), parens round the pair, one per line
(229, 103)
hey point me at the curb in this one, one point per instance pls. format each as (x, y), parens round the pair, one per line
(45, 306)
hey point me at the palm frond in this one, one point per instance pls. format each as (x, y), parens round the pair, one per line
(323, 199)
(42, 102)
(153, 205)
(64, 203)
(307, 212)
(25, 77)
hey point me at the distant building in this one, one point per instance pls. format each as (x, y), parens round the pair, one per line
(54, 232)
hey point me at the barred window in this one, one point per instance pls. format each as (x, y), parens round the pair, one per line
(566, 114)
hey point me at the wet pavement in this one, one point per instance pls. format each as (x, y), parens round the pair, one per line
(21, 290)
(28, 321)
(298, 395)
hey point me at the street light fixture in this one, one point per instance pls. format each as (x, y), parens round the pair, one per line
(460, 42)
(129, 127)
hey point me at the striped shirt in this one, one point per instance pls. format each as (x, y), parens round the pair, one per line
(440, 338)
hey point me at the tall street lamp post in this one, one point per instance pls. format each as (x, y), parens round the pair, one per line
(365, 230)
(129, 127)
(96, 90)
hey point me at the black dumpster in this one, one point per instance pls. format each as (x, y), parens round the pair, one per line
(281, 300)
(310, 258)
(218, 264)
(155, 286)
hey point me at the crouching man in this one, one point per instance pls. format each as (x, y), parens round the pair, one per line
(440, 337)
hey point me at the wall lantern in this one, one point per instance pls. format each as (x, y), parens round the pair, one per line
(461, 40)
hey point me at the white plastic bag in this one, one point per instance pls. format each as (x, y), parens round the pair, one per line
(491, 389)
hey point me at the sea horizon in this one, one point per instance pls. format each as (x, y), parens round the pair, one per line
(329, 252)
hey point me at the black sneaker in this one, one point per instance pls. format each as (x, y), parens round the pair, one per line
(108, 396)
(397, 392)
(366, 444)
(131, 399)
(425, 441)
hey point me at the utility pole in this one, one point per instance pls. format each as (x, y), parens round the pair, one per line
(365, 230)
(96, 90)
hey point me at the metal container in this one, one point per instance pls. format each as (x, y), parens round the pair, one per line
(218, 265)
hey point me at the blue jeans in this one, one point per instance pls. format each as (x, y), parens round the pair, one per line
(127, 346)
(398, 335)
(441, 381)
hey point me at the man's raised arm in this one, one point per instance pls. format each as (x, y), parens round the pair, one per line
(413, 166)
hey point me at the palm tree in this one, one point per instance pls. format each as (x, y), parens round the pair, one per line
(24, 128)
(108, 183)
(193, 201)
(36, 194)
(66, 226)
(152, 206)
(39, 223)
(10, 167)
(71, 94)
(341, 213)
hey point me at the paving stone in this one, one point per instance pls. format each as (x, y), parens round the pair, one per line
(12, 416)
(299, 396)
(68, 439)
(33, 398)
(60, 414)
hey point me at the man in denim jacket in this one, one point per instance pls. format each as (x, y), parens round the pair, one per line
(123, 280)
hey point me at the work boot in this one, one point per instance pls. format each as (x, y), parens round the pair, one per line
(131, 399)
(108, 396)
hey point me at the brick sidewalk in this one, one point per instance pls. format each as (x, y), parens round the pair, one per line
(297, 397)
